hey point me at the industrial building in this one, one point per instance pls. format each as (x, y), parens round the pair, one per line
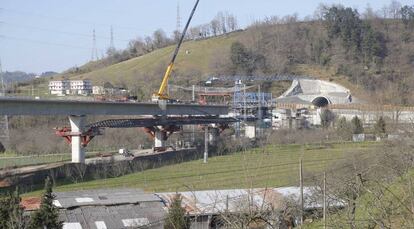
(132, 208)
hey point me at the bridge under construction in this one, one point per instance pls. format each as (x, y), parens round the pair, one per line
(160, 120)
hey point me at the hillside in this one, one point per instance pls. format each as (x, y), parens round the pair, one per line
(193, 63)
(197, 60)
(371, 56)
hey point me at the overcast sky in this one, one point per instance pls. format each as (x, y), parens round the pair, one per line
(53, 35)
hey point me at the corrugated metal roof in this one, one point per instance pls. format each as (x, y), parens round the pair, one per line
(233, 200)
(114, 208)
(116, 216)
(103, 197)
(110, 208)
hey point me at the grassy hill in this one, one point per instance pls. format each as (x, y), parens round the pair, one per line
(197, 60)
(377, 63)
(145, 73)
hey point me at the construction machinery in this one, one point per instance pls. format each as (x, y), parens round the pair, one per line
(162, 94)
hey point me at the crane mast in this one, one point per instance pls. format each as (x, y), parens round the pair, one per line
(162, 91)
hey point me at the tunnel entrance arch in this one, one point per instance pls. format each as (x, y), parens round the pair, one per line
(321, 101)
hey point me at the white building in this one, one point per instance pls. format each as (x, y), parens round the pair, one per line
(59, 87)
(76, 87)
(81, 87)
(98, 90)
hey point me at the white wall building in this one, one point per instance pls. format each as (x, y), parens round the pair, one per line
(76, 87)
(98, 90)
(81, 87)
(59, 87)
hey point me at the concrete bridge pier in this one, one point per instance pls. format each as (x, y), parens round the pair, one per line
(160, 138)
(213, 134)
(77, 124)
(250, 130)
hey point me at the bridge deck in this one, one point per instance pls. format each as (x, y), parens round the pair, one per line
(18, 106)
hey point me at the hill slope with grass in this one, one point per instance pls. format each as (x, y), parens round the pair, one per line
(370, 56)
(197, 60)
(144, 74)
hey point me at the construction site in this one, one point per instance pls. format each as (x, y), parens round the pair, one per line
(274, 124)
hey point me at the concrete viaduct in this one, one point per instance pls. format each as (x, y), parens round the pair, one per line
(163, 121)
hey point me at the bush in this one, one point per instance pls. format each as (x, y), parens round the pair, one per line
(344, 129)
(357, 127)
(380, 126)
(2, 148)
(176, 218)
(48, 214)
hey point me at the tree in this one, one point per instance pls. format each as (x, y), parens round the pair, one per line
(241, 58)
(48, 214)
(380, 126)
(356, 35)
(244, 60)
(357, 127)
(11, 212)
(160, 39)
(407, 16)
(215, 27)
(327, 117)
(2, 148)
(176, 218)
(344, 129)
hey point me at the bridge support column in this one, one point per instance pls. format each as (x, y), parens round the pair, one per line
(214, 133)
(159, 138)
(205, 144)
(250, 130)
(77, 125)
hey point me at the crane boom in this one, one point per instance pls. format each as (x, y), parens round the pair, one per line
(161, 94)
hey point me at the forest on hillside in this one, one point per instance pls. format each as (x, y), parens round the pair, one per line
(374, 51)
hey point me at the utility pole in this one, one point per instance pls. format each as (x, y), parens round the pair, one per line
(301, 191)
(324, 200)
(260, 103)
(205, 143)
(244, 102)
(259, 113)
(193, 94)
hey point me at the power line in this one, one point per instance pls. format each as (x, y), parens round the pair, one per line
(71, 20)
(41, 42)
(58, 31)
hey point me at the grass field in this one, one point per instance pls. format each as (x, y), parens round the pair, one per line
(10, 160)
(13, 161)
(272, 166)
